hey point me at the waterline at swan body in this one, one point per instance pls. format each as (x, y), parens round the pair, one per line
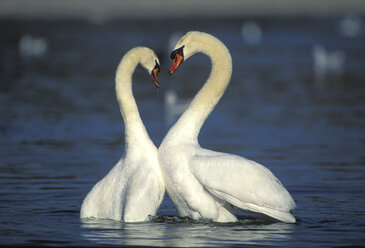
(203, 183)
(133, 190)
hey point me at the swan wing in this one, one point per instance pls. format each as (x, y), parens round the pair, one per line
(131, 192)
(243, 183)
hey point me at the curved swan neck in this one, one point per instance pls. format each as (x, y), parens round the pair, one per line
(134, 128)
(191, 121)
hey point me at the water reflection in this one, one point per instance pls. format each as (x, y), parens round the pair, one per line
(173, 231)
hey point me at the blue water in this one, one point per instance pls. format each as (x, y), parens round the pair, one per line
(61, 130)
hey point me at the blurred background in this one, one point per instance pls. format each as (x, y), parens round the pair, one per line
(296, 104)
(98, 10)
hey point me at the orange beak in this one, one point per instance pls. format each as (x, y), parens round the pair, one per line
(178, 59)
(154, 73)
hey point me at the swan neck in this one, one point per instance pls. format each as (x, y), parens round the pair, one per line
(135, 132)
(209, 95)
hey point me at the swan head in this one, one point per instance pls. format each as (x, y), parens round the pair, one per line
(151, 63)
(188, 45)
(154, 72)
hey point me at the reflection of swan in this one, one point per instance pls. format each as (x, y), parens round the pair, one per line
(133, 189)
(327, 61)
(173, 106)
(204, 183)
(174, 233)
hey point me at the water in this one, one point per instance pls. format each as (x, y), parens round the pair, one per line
(61, 130)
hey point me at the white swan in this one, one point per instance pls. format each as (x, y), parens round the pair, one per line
(204, 183)
(134, 188)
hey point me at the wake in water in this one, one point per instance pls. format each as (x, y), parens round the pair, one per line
(173, 219)
(242, 220)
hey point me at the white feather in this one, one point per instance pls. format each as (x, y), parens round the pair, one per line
(133, 189)
(203, 183)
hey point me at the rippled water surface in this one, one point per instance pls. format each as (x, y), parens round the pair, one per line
(61, 130)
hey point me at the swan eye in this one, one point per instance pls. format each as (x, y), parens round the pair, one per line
(157, 66)
(179, 51)
(178, 57)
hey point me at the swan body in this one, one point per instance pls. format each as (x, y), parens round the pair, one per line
(134, 188)
(204, 183)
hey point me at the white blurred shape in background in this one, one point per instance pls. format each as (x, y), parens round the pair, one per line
(174, 107)
(350, 26)
(325, 61)
(251, 32)
(30, 46)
